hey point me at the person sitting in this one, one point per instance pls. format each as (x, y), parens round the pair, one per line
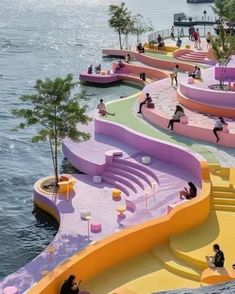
(102, 110)
(179, 112)
(196, 74)
(98, 69)
(90, 70)
(140, 48)
(178, 42)
(161, 45)
(189, 194)
(128, 58)
(119, 66)
(218, 259)
(70, 286)
(147, 99)
(219, 123)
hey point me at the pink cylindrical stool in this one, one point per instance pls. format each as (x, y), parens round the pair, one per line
(96, 227)
(10, 290)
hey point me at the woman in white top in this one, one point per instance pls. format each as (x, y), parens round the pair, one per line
(174, 75)
(179, 112)
(219, 123)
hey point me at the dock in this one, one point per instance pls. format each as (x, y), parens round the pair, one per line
(181, 20)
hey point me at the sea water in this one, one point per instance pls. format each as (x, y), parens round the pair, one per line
(39, 39)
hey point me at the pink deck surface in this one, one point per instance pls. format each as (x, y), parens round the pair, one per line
(165, 100)
(200, 92)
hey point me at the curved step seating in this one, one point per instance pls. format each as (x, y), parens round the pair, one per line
(199, 126)
(125, 174)
(131, 163)
(194, 56)
(193, 246)
(223, 188)
(132, 178)
(173, 264)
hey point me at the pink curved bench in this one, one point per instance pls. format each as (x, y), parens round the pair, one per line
(188, 129)
(151, 61)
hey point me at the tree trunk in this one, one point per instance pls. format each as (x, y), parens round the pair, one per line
(56, 162)
(120, 39)
(52, 154)
(221, 77)
(56, 151)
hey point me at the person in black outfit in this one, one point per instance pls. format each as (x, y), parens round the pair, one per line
(218, 259)
(189, 193)
(70, 286)
(147, 99)
(140, 48)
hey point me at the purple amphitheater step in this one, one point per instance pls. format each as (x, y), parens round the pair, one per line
(117, 185)
(134, 171)
(137, 166)
(125, 174)
(120, 179)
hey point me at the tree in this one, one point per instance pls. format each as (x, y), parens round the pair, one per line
(223, 47)
(230, 10)
(225, 9)
(120, 20)
(220, 9)
(56, 111)
(140, 26)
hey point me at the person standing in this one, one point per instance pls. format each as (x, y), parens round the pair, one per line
(195, 38)
(198, 40)
(174, 75)
(208, 40)
(173, 33)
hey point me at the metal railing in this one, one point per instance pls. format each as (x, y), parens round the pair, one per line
(179, 32)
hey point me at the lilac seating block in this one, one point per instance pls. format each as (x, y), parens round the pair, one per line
(225, 129)
(190, 80)
(96, 227)
(184, 120)
(10, 290)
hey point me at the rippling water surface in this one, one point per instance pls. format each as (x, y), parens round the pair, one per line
(39, 39)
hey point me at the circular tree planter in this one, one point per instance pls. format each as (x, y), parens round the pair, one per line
(217, 87)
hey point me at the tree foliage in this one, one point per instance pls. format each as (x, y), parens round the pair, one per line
(224, 47)
(225, 9)
(56, 112)
(140, 26)
(120, 20)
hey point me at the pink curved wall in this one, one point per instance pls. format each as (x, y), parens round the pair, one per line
(153, 62)
(207, 96)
